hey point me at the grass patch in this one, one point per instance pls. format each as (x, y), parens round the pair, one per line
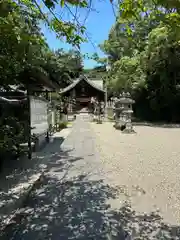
(70, 123)
(111, 118)
(62, 125)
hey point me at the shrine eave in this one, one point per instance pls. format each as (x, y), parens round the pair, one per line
(81, 78)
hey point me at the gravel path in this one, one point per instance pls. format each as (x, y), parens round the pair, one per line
(147, 164)
(71, 202)
(99, 185)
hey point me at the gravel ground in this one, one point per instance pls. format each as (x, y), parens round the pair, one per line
(70, 202)
(101, 185)
(147, 164)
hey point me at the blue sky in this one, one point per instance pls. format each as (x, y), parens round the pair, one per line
(98, 24)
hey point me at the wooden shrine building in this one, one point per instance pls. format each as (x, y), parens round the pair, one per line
(82, 89)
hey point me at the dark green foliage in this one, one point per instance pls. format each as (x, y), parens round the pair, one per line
(62, 125)
(13, 130)
(26, 57)
(144, 53)
(23, 47)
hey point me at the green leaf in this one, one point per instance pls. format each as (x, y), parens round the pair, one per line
(83, 29)
(49, 3)
(62, 2)
(83, 4)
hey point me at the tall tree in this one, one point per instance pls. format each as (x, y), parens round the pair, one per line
(143, 49)
(23, 47)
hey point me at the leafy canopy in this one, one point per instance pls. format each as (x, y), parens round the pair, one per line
(24, 48)
(143, 49)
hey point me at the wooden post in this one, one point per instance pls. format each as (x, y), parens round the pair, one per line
(29, 122)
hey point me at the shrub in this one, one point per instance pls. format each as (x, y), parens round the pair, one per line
(62, 125)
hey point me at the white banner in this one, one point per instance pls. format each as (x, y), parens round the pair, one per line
(39, 119)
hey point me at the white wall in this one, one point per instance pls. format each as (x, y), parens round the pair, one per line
(39, 120)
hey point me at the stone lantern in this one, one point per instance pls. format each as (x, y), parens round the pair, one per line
(123, 112)
(117, 109)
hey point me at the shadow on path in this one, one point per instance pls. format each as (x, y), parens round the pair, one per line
(141, 226)
(73, 209)
(76, 208)
(18, 173)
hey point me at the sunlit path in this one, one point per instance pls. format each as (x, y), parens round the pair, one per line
(71, 202)
(95, 188)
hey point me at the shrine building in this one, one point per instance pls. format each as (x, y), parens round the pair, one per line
(83, 89)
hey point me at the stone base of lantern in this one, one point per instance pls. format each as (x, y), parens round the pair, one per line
(128, 131)
(120, 125)
(99, 119)
(124, 127)
(129, 128)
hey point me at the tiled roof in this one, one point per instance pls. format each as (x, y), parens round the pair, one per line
(97, 84)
